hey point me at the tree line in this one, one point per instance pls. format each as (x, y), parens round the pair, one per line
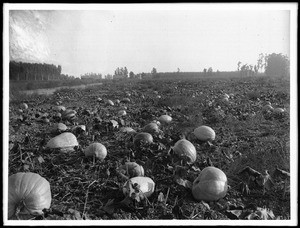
(276, 65)
(35, 72)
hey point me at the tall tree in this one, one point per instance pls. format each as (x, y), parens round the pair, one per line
(277, 65)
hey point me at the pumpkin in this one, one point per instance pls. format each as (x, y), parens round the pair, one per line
(28, 192)
(165, 119)
(122, 113)
(128, 130)
(226, 96)
(132, 169)
(210, 185)
(151, 128)
(117, 101)
(125, 100)
(205, 133)
(110, 102)
(96, 149)
(79, 129)
(268, 107)
(185, 150)
(142, 137)
(145, 185)
(60, 127)
(278, 110)
(69, 114)
(24, 106)
(65, 142)
(60, 108)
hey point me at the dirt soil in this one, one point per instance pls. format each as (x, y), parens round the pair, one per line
(249, 140)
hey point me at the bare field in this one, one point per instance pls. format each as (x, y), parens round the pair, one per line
(248, 138)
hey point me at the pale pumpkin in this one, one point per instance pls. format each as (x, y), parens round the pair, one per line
(96, 149)
(28, 192)
(165, 119)
(210, 185)
(205, 133)
(145, 185)
(185, 150)
(65, 142)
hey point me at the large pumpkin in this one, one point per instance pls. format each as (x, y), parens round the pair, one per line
(185, 150)
(210, 185)
(28, 192)
(205, 133)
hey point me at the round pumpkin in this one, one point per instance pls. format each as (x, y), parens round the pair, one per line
(205, 133)
(146, 187)
(165, 119)
(28, 192)
(142, 137)
(96, 149)
(210, 185)
(60, 127)
(185, 150)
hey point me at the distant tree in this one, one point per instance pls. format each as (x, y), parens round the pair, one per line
(205, 71)
(153, 71)
(239, 65)
(178, 70)
(210, 71)
(125, 72)
(131, 74)
(277, 65)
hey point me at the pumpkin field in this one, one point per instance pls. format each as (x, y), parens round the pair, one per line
(153, 149)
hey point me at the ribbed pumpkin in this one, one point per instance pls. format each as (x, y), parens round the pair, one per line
(69, 114)
(96, 149)
(132, 169)
(28, 192)
(210, 185)
(185, 150)
(145, 184)
(205, 133)
(60, 108)
(142, 137)
(65, 142)
(151, 128)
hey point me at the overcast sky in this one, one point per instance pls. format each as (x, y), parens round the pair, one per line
(188, 38)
